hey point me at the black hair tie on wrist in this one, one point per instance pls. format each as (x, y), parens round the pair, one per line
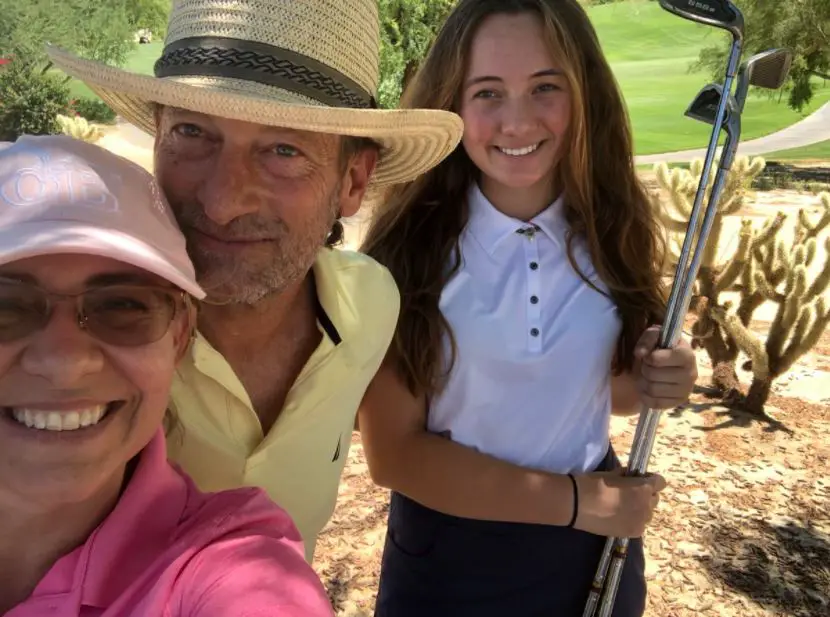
(576, 501)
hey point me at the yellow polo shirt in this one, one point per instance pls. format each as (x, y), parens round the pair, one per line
(219, 440)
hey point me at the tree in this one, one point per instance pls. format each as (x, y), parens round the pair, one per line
(407, 29)
(31, 94)
(95, 29)
(150, 14)
(800, 25)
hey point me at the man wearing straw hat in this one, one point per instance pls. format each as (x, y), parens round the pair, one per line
(266, 132)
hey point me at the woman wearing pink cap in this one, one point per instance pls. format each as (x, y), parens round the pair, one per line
(95, 313)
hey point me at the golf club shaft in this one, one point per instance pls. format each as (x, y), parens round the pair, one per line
(599, 578)
(605, 560)
(616, 549)
(682, 284)
(708, 220)
(609, 570)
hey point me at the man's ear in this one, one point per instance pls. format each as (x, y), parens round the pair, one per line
(356, 180)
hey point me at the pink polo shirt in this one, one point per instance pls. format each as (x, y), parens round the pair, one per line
(168, 550)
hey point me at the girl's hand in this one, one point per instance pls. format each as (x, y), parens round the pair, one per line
(666, 376)
(612, 504)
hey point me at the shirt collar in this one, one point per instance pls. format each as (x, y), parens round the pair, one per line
(337, 316)
(335, 311)
(490, 226)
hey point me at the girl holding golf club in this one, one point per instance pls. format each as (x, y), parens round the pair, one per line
(529, 267)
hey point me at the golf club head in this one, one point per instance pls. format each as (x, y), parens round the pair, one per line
(704, 107)
(718, 13)
(768, 69)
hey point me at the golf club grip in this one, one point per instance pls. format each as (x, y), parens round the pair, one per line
(606, 606)
(598, 583)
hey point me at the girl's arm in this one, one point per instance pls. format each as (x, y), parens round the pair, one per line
(447, 476)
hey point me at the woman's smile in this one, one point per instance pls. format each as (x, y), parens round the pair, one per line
(59, 422)
(57, 417)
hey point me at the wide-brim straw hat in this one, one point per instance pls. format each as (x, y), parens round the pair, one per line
(310, 65)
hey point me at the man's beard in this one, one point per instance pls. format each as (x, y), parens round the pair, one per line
(284, 258)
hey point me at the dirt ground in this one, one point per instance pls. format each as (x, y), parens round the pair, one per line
(743, 528)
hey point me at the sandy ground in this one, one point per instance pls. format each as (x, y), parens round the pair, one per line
(129, 142)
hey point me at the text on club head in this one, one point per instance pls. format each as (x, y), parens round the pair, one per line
(701, 6)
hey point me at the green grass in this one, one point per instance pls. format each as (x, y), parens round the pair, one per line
(141, 61)
(815, 152)
(650, 52)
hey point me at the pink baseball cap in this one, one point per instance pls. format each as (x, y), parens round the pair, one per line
(63, 195)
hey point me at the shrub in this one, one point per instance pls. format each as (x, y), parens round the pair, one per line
(94, 110)
(30, 101)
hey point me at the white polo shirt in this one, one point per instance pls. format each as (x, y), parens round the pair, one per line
(531, 384)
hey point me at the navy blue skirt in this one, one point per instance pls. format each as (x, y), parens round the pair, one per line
(436, 565)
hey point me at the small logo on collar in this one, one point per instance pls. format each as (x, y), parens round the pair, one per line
(530, 231)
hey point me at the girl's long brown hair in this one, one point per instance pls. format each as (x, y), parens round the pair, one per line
(416, 233)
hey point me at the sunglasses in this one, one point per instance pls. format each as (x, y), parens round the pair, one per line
(118, 315)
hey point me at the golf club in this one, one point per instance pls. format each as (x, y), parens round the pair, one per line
(704, 107)
(768, 69)
(724, 15)
(714, 102)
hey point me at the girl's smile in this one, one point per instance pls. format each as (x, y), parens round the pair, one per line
(521, 151)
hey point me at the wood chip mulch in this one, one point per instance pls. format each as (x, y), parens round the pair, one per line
(743, 528)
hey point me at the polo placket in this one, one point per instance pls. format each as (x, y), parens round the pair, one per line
(534, 309)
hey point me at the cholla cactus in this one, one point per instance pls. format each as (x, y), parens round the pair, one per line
(714, 276)
(781, 275)
(79, 128)
(681, 187)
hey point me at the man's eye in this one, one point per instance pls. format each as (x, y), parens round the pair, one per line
(188, 130)
(286, 150)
